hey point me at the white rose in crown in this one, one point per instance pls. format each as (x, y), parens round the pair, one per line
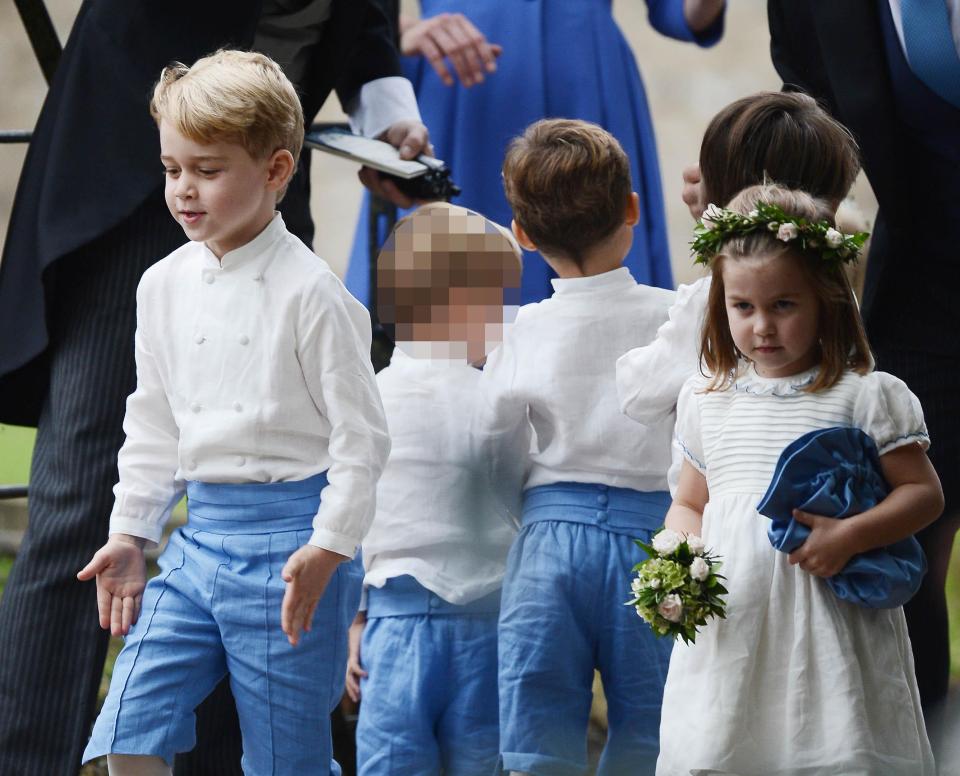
(666, 542)
(787, 232)
(833, 238)
(671, 608)
(699, 569)
(711, 216)
(696, 545)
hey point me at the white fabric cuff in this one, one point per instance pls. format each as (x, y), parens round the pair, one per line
(382, 103)
(152, 532)
(335, 542)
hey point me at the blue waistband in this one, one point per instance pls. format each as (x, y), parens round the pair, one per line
(281, 506)
(620, 510)
(404, 596)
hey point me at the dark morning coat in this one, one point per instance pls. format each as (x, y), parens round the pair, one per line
(910, 144)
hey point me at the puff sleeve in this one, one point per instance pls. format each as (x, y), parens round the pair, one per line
(687, 435)
(889, 413)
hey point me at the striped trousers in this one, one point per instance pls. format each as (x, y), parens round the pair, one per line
(935, 379)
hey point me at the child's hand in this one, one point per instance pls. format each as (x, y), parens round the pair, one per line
(355, 670)
(827, 550)
(306, 573)
(121, 574)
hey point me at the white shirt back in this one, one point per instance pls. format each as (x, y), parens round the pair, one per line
(549, 410)
(436, 519)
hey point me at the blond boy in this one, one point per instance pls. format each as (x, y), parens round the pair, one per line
(254, 393)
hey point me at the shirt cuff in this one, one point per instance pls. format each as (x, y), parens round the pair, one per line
(381, 104)
(339, 543)
(131, 526)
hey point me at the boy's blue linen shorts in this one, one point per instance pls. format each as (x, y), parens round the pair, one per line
(563, 616)
(214, 609)
(429, 702)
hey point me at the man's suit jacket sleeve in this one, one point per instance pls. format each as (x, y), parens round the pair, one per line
(374, 54)
(795, 50)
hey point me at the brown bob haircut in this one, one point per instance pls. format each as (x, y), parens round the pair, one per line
(843, 342)
(568, 183)
(782, 137)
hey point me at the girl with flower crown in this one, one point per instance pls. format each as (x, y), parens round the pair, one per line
(795, 680)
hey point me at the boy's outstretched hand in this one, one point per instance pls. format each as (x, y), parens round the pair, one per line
(121, 574)
(306, 573)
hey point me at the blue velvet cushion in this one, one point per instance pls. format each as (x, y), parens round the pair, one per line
(835, 472)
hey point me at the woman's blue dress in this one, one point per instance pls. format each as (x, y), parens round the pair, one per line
(561, 58)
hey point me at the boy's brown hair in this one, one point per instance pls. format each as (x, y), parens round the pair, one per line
(434, 250)
(229, 96)
(568, 183)
(843, 342)
(777, 137)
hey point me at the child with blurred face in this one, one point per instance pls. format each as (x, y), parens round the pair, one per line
(423, 652)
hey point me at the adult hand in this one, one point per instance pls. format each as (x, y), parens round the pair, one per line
(453, 37)
(306, 572)
(355, 670)
(827, 549)
(693, 190)
(121, 574)
(411, 139)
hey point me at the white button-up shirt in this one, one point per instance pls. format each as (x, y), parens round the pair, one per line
(255, 368)
(549, 410)
(437, 519)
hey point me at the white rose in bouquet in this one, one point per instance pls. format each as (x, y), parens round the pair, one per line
(671, 608)
(666, 542)
(696, 545)
(699, 569)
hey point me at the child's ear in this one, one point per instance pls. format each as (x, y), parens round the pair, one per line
(280, 169)
(525, 242)
(632, 215)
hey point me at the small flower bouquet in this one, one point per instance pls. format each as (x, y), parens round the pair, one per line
(677, 589)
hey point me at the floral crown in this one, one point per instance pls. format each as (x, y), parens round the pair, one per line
(718, 225)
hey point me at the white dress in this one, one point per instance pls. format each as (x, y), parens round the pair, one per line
(794, 680)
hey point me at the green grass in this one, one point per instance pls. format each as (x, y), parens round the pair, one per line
(16, 447)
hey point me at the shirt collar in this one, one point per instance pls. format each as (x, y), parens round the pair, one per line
(614, 279)
(250, 251)
(402, 358)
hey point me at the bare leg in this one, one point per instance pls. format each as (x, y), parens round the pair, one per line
(137, 765)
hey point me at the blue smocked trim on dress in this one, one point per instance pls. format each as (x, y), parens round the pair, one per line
(689, 453)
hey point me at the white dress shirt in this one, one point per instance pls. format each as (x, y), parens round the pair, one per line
(255, 368)
(549, 410)
(649, 378)
(437, 519)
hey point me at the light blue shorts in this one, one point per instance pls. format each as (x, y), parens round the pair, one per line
(429, 702)
(214, 609)
(562, 616)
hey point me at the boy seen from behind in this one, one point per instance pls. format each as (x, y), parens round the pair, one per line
(582, 479)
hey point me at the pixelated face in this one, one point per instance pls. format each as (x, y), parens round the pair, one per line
(774, 313)
(448, 282)
(215, 191)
